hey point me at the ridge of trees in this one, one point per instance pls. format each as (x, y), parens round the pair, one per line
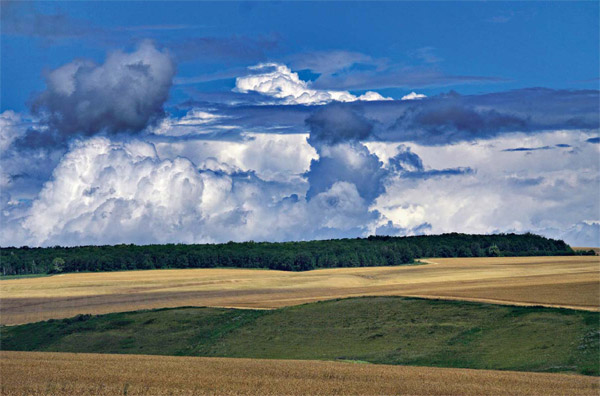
(287, 256)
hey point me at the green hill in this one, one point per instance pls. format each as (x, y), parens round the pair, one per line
(391, 330)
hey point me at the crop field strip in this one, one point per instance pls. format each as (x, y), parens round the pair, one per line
(91, 374)
(571, 282)
(383, 330)
(595, 249)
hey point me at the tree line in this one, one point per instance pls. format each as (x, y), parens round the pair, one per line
(287, 256)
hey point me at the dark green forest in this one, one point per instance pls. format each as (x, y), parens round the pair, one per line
(287, 256)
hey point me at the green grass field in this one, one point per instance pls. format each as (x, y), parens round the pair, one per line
(9, 277)
(391, 330)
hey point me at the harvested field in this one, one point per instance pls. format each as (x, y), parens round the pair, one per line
(595, 249)
(572, 282)
(92, 374)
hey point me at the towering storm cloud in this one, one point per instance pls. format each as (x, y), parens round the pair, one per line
(336, 133)
(110, 192)
(124, 94)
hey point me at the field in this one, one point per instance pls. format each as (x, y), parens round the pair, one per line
(88, 374)
(570, 282)
(595, 249)
(384, 330)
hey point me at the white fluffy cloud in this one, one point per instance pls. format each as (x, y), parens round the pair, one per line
(109, 192)
(174, 188)
(278, 81)
(270, 156)
(546, 190)
(413, 96)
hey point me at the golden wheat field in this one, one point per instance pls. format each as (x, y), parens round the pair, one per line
(42, 373)
(552, 281)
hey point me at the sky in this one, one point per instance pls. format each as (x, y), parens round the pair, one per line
(205, 122)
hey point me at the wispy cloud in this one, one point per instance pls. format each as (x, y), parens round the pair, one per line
(501, 18)
(407, 77)
(518, 149)
(328, 62)
(158, 27)
(21, 18)
(425, 54)
(219, 49)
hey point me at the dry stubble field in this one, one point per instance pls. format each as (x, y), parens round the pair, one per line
(92, 374)
(572, 282)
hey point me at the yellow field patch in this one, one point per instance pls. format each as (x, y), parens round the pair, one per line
(572, 282)
(41, 373)
(595, 249)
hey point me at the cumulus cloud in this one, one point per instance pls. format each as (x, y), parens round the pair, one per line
(342, 207)
(125, 93)
(11, 128)
(505, 191)
(273, 157)
(350, 163)
(104, 191)
(278, 81)
(413, 96)
(583, 234)
(337, 133)
(293, 169)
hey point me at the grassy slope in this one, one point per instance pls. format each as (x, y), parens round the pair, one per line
(10, 277)
(390, 330)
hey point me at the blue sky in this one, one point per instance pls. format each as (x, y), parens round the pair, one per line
(549, 44)
(214, 121)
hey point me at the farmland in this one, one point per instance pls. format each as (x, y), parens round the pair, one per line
(88, 374)
(309, 332)
(384, 330)
(587, 249)
(570, 282)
